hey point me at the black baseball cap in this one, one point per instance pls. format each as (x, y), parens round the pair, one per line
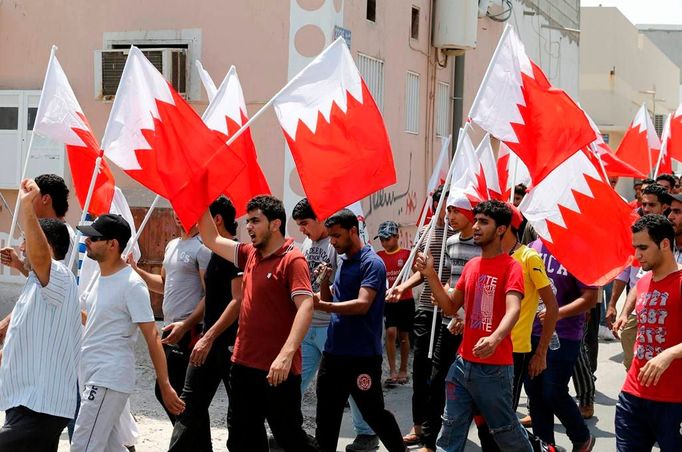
(108, 226)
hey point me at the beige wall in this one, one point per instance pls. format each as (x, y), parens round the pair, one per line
(610, 42)
(255, 37)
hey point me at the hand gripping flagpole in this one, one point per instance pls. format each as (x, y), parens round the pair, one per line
(441, 202)
(15, 217)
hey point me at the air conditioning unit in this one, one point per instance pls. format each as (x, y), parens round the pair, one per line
(455, 25)
(109, 64)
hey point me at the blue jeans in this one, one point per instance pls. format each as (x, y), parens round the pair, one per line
(311, 353)
(641, 422)
(548, 395)
(488, 388)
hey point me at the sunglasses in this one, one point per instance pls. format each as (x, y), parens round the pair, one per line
(98, 239)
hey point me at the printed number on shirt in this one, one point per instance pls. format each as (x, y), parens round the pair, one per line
(93, 393)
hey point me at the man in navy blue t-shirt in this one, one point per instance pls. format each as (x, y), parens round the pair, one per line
(351, 364)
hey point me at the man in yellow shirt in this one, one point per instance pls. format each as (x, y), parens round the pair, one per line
(537, 287)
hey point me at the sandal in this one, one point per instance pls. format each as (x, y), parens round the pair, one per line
(390, 382)
(412, 439)
(402, 379)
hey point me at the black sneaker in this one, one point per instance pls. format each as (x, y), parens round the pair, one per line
(363, 443)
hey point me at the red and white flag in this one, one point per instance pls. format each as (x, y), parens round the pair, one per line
(225, 115)
(156, 137)
(640, 145)
(207, 81)
(576, 213)
(60, 118)
(511, 171)
(517, 104)
(438, 176)
(602, 155)
(671, 142)
(335, 132)
(468, 185)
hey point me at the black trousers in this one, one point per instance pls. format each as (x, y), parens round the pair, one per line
(28, 431)
(192, 429)
(360, 377)
(421, 365)
(177, 361)
(521, 361)
(444, 354)
(253, 400)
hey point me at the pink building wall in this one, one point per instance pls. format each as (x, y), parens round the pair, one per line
(253, 36)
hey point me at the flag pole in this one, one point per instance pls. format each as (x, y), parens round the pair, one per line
(148, 215)
(441, 202)
(601, 163)
(405, 271)
(15, 218)
(6, 204)
(86, 205)
(272, 100)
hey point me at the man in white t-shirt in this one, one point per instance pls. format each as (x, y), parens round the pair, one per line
(40, 354)
(116, 305)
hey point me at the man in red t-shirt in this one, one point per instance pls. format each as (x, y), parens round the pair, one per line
(649, 408)
(490, 289)
(399, 314)
(274, 315)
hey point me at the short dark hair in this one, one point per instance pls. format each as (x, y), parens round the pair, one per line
(648, 181)
(659, 191)
(271, 207)
(53, 185)
(497, 210)
(520, 189)
(57, 235)
(668, 178)
(658, 227)
(303, 211)
(345, 218)
(223, 206)
(438, 192)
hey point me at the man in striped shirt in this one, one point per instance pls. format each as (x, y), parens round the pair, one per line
(40, 356)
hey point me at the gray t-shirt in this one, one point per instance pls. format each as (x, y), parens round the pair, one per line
(182, 290)
(114, 306)
(316, 253)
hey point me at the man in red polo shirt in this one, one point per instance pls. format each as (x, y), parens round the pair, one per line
(649, 408)
(274, 315)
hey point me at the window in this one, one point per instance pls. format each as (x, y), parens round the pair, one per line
(372, 10)
(18, 110)
(172, 52)
(412, 103)
(442, 109)
(372, 72)
(659, 123)
(414, 24)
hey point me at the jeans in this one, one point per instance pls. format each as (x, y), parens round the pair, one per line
(312, 348)
(521, 361)
(641, 422)
(359, 376)
(444, 354)
(548, 395)
(489, 389)
(192, 429)
(28, 431)
(253, 400)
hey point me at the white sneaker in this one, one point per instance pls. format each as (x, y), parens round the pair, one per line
(606, 334)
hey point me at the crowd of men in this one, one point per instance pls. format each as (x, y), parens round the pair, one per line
(267, 318)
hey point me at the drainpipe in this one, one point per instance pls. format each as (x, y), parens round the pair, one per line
(457, 100)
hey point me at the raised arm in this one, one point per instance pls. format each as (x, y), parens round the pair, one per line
(222, 246)
(37, 247)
